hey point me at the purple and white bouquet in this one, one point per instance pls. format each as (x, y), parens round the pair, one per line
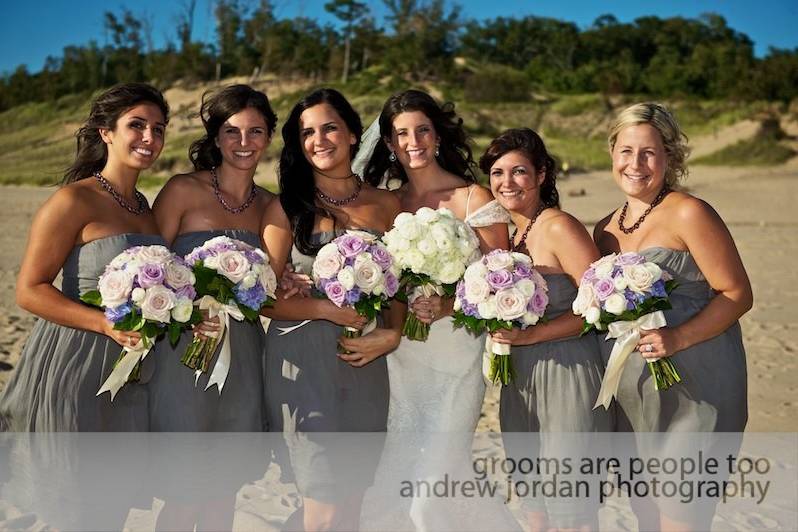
(234, 280)
(147, 289)
(356, 270)
(625, 294)
(432, 248)
(500, 291)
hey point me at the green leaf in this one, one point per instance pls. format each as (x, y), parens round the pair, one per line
(92, 298)
(250, 314)
(174, 333)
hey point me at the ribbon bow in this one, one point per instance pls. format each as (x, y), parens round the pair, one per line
(627, 334)
(225, 312)
(131, 356)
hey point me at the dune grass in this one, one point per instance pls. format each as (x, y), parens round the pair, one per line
(758, 151)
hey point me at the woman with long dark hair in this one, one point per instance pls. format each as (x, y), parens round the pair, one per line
(310, 387)
(96, 214)
(218, 198)
(556, 372)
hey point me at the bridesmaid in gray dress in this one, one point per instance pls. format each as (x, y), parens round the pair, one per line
(557, 374)
(96, 214)
(310, 387)
(687, 238)
(219, 198)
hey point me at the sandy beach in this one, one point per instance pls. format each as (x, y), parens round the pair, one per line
(756, 203)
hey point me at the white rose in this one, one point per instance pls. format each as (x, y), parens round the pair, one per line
(233, 265)
(346, 277)
(177, 275)
(592, 315)
(137, 295)
(510, 304)
(615, 304)
(639, 278)
(121, 260)
(249, 280)
(526, 287)
(521, 257)
(450, 272)
(603, 268)
(367, 275)
(157, 304)
(326, 266)
(328, 249)
(398, 243)
(476, 270)
(154, 254)
(443, 212)
(268, 280)
(425, 215)
(414, 260)
(402, 218)
(182, 310)
(457, 305)
(379, 289)
(620, 283)
(477, 290)
(212, 262)
(530, 318)
(655, 270)
(115, 287)
(427, 246)
(499, 261)
(585, 299)
(409, 230)
(487, 309)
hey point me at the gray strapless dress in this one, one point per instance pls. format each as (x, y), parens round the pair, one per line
(712, 396)
(55, 385)
(177, 405)
(310, 390)
(553, 390)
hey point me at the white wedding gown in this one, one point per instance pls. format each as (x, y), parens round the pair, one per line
(436, 394)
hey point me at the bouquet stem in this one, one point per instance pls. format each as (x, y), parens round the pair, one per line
(350, 332)
(199, 354)
(414, 329)
(501, 370)
(664, 373)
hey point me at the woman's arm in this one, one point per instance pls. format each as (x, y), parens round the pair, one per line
(571, 244)
(53, 234)
(380, 341)
(709, 242)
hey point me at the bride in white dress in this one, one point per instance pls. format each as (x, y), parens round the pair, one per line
(436, 386)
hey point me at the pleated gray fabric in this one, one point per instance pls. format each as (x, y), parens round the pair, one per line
(553, 390)
(177, 404)
(310, 390)
(55, 385)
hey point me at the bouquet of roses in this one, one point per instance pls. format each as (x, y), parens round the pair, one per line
(356, 270)
(624, 294)
(500, 291)
(432, 248)
(146, 289)
(234, 280)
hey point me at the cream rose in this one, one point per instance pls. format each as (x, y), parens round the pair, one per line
(477, 290)
(425, 215)
(177, 275)
(487, 309)
(115, 287)
(476, 270)
(157, 304)
(530, 318)
(367, 274)
(526, 287)
(154, 254)
(499, 261)
(615, 304)
(639, 277)
(592, 315)
(327, 265)
(182, 310)
(347, 278)
(268, 280)
(233, 265)
(510, 304)
(585, 298)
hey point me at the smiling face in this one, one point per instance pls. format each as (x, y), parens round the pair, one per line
(137, 138)
(413, 140)
(639, 161)
(326, 140)
(515, 182)
(242, 139)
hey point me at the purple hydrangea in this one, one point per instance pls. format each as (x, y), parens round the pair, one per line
(251, 297)
(658, 289)
(353, 295)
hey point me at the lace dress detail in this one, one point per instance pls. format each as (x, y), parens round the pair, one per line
(489, 214)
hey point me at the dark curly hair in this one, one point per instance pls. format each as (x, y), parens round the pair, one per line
(531, 145)
(92, 152)
(218, 107)
(455, 153)
(297, 186)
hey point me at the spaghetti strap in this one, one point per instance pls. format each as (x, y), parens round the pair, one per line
(468, 200)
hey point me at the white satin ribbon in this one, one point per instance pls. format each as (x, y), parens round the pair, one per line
(286, 330)
(370, 326)
(222, 366)
(492, 349)
(132, 355)
(425, 290)
(627, 335)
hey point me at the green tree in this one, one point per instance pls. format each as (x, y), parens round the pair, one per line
(349, 12)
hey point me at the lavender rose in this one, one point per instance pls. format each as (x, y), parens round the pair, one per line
(335, 293)
(500, 279)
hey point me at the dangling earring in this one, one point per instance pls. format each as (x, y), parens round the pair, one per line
(392, 157)
(437, 150)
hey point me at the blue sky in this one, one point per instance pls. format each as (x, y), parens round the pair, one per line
(31, 30)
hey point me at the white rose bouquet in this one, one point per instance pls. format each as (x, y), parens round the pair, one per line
(500, 291)
(234, 280)
(432, 248)
(146, 289)
(356, 270)
(624, 294)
